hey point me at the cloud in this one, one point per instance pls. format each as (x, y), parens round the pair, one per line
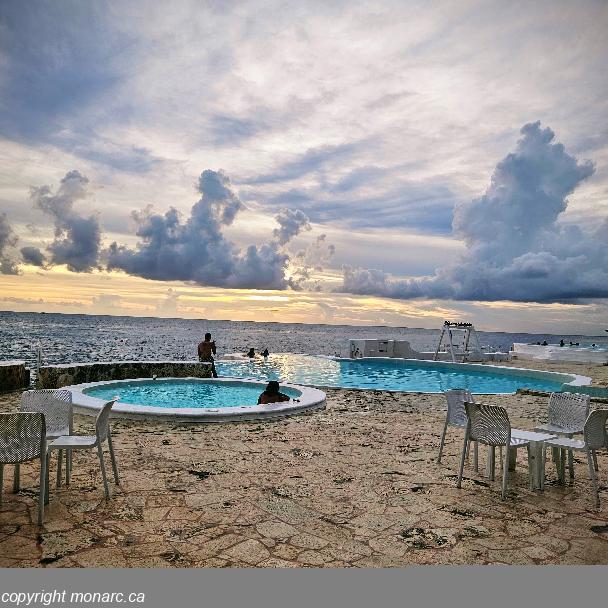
(107, 300)
(77, 238)
(197, 250)
(516, 247)
(7, 239)
(370, 197)
(291, 223)
(33, 256)
(170, 305)
(314, 159)
(306, 261)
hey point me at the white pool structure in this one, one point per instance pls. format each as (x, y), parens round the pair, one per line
(192, 399)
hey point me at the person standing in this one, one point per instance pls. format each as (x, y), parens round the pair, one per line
(206, 350)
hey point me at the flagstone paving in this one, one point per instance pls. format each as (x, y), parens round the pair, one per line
(355, 485)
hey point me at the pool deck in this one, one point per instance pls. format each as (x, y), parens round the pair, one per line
(356, 485)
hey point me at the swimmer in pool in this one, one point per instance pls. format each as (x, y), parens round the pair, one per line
(272, 394)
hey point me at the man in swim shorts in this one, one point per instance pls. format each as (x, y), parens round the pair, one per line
(206, 350)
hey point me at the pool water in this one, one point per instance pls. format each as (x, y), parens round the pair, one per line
(381, 374)
(183, 393)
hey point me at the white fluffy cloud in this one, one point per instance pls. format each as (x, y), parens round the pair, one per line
(516, 247)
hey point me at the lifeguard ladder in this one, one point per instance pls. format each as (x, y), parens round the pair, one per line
(470, 338)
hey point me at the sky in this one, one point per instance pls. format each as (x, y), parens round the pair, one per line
(388, 163)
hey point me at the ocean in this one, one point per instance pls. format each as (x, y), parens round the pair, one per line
(66, 338)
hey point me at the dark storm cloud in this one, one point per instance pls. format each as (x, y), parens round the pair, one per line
(516, 247)
(77, 238)
(195, 249)
(33, 256)
(291, 222)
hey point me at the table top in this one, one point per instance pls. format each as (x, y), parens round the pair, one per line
(530, 435)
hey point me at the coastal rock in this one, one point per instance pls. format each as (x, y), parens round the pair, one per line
(13, 375)
(56, 376)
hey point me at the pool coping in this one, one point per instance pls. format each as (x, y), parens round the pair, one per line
(574, 379)
(310, 399)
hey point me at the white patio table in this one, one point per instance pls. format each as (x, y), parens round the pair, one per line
(537, 475)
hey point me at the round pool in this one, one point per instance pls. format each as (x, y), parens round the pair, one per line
(194, 399)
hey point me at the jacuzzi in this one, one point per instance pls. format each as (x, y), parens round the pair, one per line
(192, 399)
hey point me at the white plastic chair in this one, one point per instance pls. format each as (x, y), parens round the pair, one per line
(595, 437)
(566, 416)
(23, 438)
(456, 416)
(489, 424)
(56, 405)
(89, 442)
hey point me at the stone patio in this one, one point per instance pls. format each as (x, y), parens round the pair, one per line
(354, 485)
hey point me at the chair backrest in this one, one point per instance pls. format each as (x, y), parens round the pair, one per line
(102, 421)
(22, 436)
(456, 398)
(596, 436)
(488, 424)
(568, 410)
(56, 405)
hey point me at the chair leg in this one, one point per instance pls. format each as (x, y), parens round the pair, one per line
(593, 478)
(68, 466)
(512, 460)
(492, 462)
(42, 495)
(103, 470)
(562, 464)
(47, 494)
(445, 428)
(113, 459)
(1, 480)
(462, 459)
(594, 454)
(505, 472)
(17, 478)
(59, 464)
(555, 456)
(476, 456)
(571, 464)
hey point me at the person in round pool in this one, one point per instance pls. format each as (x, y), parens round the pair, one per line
(272, 394)
(251, 353)
(206, 350)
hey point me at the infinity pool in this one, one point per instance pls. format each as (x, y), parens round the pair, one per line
(391, 374)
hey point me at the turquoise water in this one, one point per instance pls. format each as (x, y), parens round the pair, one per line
(180, 393)
(392, 375)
